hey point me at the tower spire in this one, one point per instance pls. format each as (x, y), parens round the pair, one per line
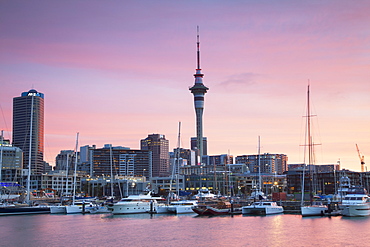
(198, 49)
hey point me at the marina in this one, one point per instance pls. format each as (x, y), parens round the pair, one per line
(182, 230)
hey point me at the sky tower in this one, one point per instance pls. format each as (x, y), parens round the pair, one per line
(199, 90)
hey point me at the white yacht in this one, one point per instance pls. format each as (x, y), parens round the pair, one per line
(135, 204)
(316, 209)
(61, 209)
(263, 208)
(182, 207)
(79, 207)
(203, 194)
(356, 203)
(177, 207)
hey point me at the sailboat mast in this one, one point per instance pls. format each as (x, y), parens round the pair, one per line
(111, 171)
(66, 183)
(178, 162)
(75, 171)
(1, 154)
(259, 165)
(30, 155)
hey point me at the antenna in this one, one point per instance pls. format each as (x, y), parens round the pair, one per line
(198, 49)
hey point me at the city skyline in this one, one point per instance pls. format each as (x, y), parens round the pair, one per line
(118, 71)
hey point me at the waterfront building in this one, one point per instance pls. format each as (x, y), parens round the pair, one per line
(61, 182)
(47, 168)
(324, 182)
(159, 147)
(85, 163)
(164, 184)
(65, 161)
(125, 162)
(123, 186)
(314, 168)
(194, 145)
(199, 90)
(269, 163)
(218, 160)
(29, 104)
(11, 161)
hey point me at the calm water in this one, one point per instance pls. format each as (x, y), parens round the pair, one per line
(184, 230)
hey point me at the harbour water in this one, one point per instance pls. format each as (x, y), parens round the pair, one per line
(182, 230)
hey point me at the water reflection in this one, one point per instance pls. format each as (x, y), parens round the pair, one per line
(182, 230)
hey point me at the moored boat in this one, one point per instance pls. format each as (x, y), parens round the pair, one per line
(356, 203)
(316, 209)
(219, 208)
(58, 209)
(263, 208)
(135, 204)
(23, 209)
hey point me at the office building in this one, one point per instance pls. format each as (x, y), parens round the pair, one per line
(121, 161)
(159, 147)
(11, 161)
(30, 105)
(194, 144)
(65, 161)
(264, 163)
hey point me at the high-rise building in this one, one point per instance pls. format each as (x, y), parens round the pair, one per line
(265, 163)
(121, 161)
(194, 144)
(199, 90)
(159, 146)
(29, 105)
(65, 161)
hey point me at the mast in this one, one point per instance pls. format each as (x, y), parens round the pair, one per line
(259, 166)
(1, 154)
(111, 171)
(30, 155)
(66, 183)
(75, 171)
(178, 162)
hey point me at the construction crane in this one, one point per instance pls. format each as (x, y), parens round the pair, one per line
(362, 159)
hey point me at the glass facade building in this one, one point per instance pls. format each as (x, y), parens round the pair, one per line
(29, 102)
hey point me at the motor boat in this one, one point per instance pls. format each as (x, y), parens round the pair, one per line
(177, 207)
(263, 208)
(356, 203)
(136, 204)
(317, 208)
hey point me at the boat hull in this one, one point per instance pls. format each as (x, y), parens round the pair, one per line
(58, 209)
(263, 208)
(181, 209)
(208, 210)
(163, 209)
(313, 210)
(23, 210)
(356, 210)
(133, 208)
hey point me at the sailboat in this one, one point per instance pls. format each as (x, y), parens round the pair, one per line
(176, 206)
(61, 209)
(315, 208)
(80, 206)
(261, 207)
(12, 209)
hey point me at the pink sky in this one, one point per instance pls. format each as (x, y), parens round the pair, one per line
(116, 71)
